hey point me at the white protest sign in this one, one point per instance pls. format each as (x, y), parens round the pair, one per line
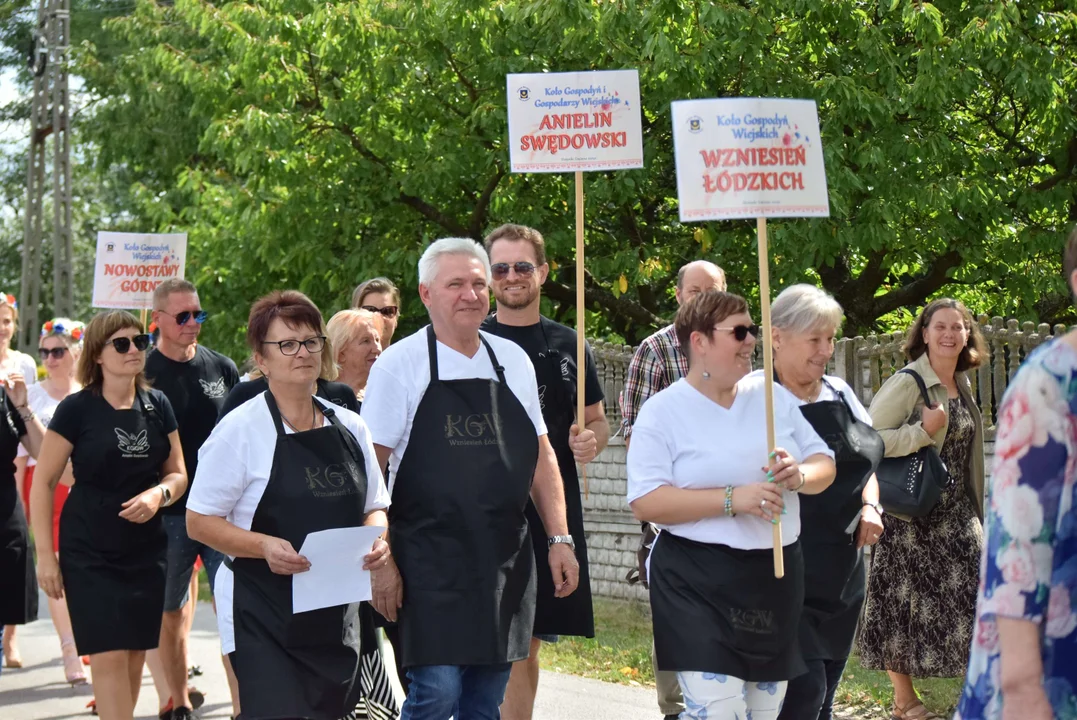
(575, 122)
(749, 158)
(130, 266)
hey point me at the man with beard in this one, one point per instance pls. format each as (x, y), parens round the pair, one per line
(519, 268)
(196, 381)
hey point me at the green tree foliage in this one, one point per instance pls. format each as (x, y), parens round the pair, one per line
(313, 144)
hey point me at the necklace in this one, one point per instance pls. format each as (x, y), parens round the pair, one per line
(313, 417)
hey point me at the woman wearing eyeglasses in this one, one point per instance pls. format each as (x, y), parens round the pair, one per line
(121, 440)
(697, 469)
(380, 295)
(283, 465)
(59, 348)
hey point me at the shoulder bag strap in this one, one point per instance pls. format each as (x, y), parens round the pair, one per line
(920, 384)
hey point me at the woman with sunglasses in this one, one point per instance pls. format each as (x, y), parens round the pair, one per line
(124, 450)
(696, 468)
(59, 348)
(279, 467)
(380, 295)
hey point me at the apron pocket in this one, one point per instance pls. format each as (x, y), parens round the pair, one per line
(316, 628)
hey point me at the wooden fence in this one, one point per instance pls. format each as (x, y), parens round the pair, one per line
(866, 362)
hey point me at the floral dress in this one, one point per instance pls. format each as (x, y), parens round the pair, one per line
(922, 587)
(1029, 566)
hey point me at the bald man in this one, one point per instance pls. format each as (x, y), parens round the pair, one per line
(657, 364)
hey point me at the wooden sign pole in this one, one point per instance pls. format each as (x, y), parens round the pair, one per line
(768, 371)
(142, 319)
(581, 353)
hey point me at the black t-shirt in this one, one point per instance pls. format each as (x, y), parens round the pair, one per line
(552, 349)
(197, 389)
(87, 421)
(336, 393)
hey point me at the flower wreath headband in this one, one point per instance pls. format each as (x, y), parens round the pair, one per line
(9, 299)
(62, 326)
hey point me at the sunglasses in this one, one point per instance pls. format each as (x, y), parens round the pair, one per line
(182, 318)
(123, 344)
(741, 332)
(389, 311)
(501, 270)
(57, 353)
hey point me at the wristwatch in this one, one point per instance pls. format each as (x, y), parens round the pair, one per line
(876, 506)
(166, 494)
(566, 539)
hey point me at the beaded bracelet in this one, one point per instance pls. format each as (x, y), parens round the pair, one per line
(729, 501)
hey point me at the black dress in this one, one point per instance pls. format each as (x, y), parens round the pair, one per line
(113, 570)
(18, 600)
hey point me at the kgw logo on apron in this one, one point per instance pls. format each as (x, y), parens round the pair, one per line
(475, 429)
(333, 480)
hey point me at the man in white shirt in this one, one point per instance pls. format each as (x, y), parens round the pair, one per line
(456, 414)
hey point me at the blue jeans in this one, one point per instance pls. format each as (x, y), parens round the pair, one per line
(468, 692)
(182, 551)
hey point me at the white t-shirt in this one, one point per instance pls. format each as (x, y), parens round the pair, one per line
(43, 405)
(684, 439)
(859, 411)
(233, 472)
(19, 362)
(398, 381)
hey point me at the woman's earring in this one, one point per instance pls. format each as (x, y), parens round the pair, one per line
(706, 375)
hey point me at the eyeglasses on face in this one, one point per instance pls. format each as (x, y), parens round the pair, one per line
(182, 317)
(389, 311)
(501, 270)
(123, 344)
(740, 332)
(57, 353)
(291, 347)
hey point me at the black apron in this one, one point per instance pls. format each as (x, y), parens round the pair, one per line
(572, 615)
(303, 665)
(457, 524)
(718, 609)
(18, 601)
(835, 584)
(114, 569)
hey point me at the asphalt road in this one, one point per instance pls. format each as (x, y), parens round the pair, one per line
(38, 690)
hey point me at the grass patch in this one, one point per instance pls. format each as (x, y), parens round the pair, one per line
(621, 652)
(204, 595)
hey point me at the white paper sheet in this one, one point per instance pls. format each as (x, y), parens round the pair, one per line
(336, 575)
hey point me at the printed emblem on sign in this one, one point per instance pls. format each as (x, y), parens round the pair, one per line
(695, 124)
(110, 247)
(212, 389)
(525, 94)
(132, 445)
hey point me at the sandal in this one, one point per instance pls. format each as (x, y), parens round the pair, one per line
(72, 664)
(914, 710)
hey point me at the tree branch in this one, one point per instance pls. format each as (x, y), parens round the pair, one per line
(914, 292)
(482, 203)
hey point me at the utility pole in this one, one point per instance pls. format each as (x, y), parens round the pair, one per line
(49, 115)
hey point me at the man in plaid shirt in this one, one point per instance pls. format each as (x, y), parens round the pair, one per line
(657, 364)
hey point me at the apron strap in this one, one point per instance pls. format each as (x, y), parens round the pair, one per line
(432, 345)
(274, 412)
(349, 440)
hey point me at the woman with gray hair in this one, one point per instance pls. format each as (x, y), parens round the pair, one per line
(838, 522)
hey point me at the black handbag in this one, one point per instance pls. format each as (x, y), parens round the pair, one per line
(911, 485)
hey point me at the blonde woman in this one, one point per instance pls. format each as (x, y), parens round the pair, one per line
(125, 453)
(355, 336)
(59, 347)
(12, 361)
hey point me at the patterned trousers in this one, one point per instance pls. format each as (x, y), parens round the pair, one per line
(709, 696)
